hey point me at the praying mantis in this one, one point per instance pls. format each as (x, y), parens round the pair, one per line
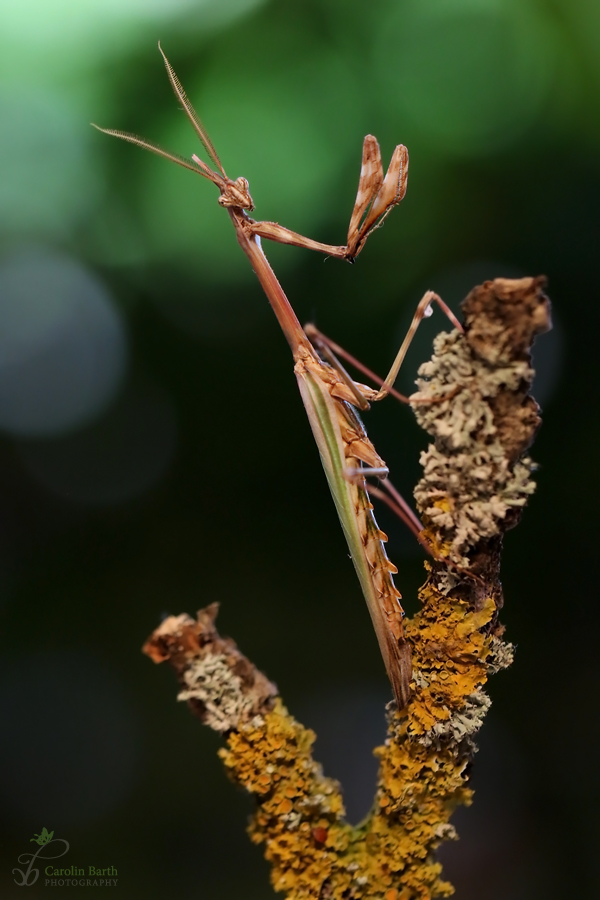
(330, 396)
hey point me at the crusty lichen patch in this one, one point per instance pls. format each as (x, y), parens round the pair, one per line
(300, 811)
(422, 774)
(213, 683)
(313, 851)
(468, 483)
(450, 648)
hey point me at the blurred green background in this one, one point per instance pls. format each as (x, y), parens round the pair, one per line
(155, 454)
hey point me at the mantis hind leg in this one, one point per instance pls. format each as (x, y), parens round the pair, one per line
(333, 353)
(424, 310)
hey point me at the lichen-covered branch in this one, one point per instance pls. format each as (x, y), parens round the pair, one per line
(476, 480)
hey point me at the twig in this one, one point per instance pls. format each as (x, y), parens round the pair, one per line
(475, 484)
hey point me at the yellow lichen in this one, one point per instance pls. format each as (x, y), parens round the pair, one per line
(314, 853)
(449, 653)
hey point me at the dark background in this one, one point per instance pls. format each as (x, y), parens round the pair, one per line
(156, 455)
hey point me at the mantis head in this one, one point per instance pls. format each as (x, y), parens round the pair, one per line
(236, 193)
(233, 193)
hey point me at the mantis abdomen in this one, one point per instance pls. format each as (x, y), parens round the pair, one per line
(344, 446)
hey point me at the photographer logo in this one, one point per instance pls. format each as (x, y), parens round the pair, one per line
(51, 848)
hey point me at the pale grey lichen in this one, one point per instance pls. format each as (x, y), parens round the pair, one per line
(501, 655)
(447, 581)
(319, 803)
(292, 820)
(468, 484)
(446, 832)
(461, 726)
(211, 681)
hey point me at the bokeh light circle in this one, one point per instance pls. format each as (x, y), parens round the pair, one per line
(96, 21)
(48, 178)
(63, 349)
(471, 76)
(120, 456)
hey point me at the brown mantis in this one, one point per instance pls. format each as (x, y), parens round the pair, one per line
(330, 396)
